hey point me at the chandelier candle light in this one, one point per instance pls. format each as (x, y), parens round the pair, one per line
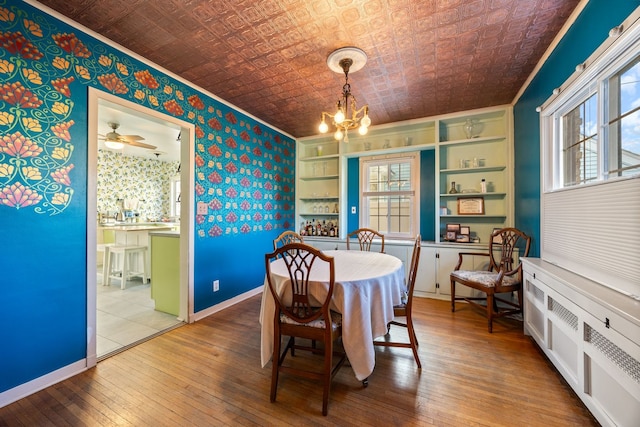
(347, 113)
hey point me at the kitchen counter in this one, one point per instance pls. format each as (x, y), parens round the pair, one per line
(133, 226)
(168, 233)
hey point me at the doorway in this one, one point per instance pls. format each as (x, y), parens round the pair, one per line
(136, 298)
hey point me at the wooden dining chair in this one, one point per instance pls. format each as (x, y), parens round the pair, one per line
(504, 274)
(285, 237)
(404, 310)
(366, 237)
(297, 318)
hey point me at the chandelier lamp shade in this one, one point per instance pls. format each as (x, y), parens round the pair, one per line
(347, 116)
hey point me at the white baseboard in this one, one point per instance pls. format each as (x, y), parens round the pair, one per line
(226, 304)
(40, 383)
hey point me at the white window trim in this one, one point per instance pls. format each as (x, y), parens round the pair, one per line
(414, 158)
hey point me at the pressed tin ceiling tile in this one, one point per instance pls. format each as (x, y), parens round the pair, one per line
(426, 57)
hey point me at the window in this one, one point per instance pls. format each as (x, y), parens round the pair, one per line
(624, 121)
(580, 143)
(594, 124)
(390, 195)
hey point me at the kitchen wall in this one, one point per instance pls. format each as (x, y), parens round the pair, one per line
(148, 180)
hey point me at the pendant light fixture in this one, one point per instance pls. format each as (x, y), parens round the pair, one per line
(347, 115)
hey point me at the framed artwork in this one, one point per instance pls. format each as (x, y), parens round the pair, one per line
(451, 236)
(470, 206)
(465, 229)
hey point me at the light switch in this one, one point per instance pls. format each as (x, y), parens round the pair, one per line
(202, 208)
(353, 210)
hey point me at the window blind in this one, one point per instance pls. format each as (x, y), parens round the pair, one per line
(594, 231)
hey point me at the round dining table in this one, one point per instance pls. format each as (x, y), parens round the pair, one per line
(367, 286)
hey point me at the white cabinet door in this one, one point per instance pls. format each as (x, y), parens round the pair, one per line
(426, 275)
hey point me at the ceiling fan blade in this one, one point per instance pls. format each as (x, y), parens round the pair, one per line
(132, 137)
(141, 145)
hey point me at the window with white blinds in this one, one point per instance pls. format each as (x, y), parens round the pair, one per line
(590, 133)
(390, 194)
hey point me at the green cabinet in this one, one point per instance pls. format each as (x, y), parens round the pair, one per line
(165, 271)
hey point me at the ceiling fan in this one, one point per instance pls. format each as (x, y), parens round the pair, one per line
(116, 141)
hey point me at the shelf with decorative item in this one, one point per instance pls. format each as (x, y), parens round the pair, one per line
(319, 158)
(411, 136)
(318, 198)
(468, 141)
(318, 178)
(477, 194)
(316, 214)
(472, 215)
(496, 168)
(473, 127)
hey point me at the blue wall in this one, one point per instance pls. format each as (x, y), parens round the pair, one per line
(427, 194)
(585, 35)
(244, 171)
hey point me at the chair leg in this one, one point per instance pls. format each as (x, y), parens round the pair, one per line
(520, 299)
(490, 303)
(328, 363)
(275, 367)
(453, 296)
(413, 340)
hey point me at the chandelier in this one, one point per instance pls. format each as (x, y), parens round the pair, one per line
(347, 115)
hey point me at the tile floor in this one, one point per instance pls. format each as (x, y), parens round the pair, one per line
(127, 316)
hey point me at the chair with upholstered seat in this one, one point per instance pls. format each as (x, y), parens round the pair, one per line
(287, 237)
(404, 310)
(366, 237)
(504, 274)
(296, 317)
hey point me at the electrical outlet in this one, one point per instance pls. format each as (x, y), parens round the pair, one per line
(216, 285)
(353, 209)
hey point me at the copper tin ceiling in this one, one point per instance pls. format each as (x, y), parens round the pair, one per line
(269, 57)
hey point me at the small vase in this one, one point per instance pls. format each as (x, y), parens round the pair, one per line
(453, 188)
(468, 129)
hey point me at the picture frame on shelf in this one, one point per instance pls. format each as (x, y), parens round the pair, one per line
(464, 234)
(452, 232)
(463, 238)
(470, 206)
(453, 227)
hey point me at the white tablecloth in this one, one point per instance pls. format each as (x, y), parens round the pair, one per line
(368, 285)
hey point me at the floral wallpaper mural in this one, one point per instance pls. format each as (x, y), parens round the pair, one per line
(147, 181)
(244, 170)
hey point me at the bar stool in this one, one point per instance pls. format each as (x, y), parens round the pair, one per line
(104, 248)
(126, 252)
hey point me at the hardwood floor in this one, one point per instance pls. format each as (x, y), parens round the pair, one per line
(209, 373)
